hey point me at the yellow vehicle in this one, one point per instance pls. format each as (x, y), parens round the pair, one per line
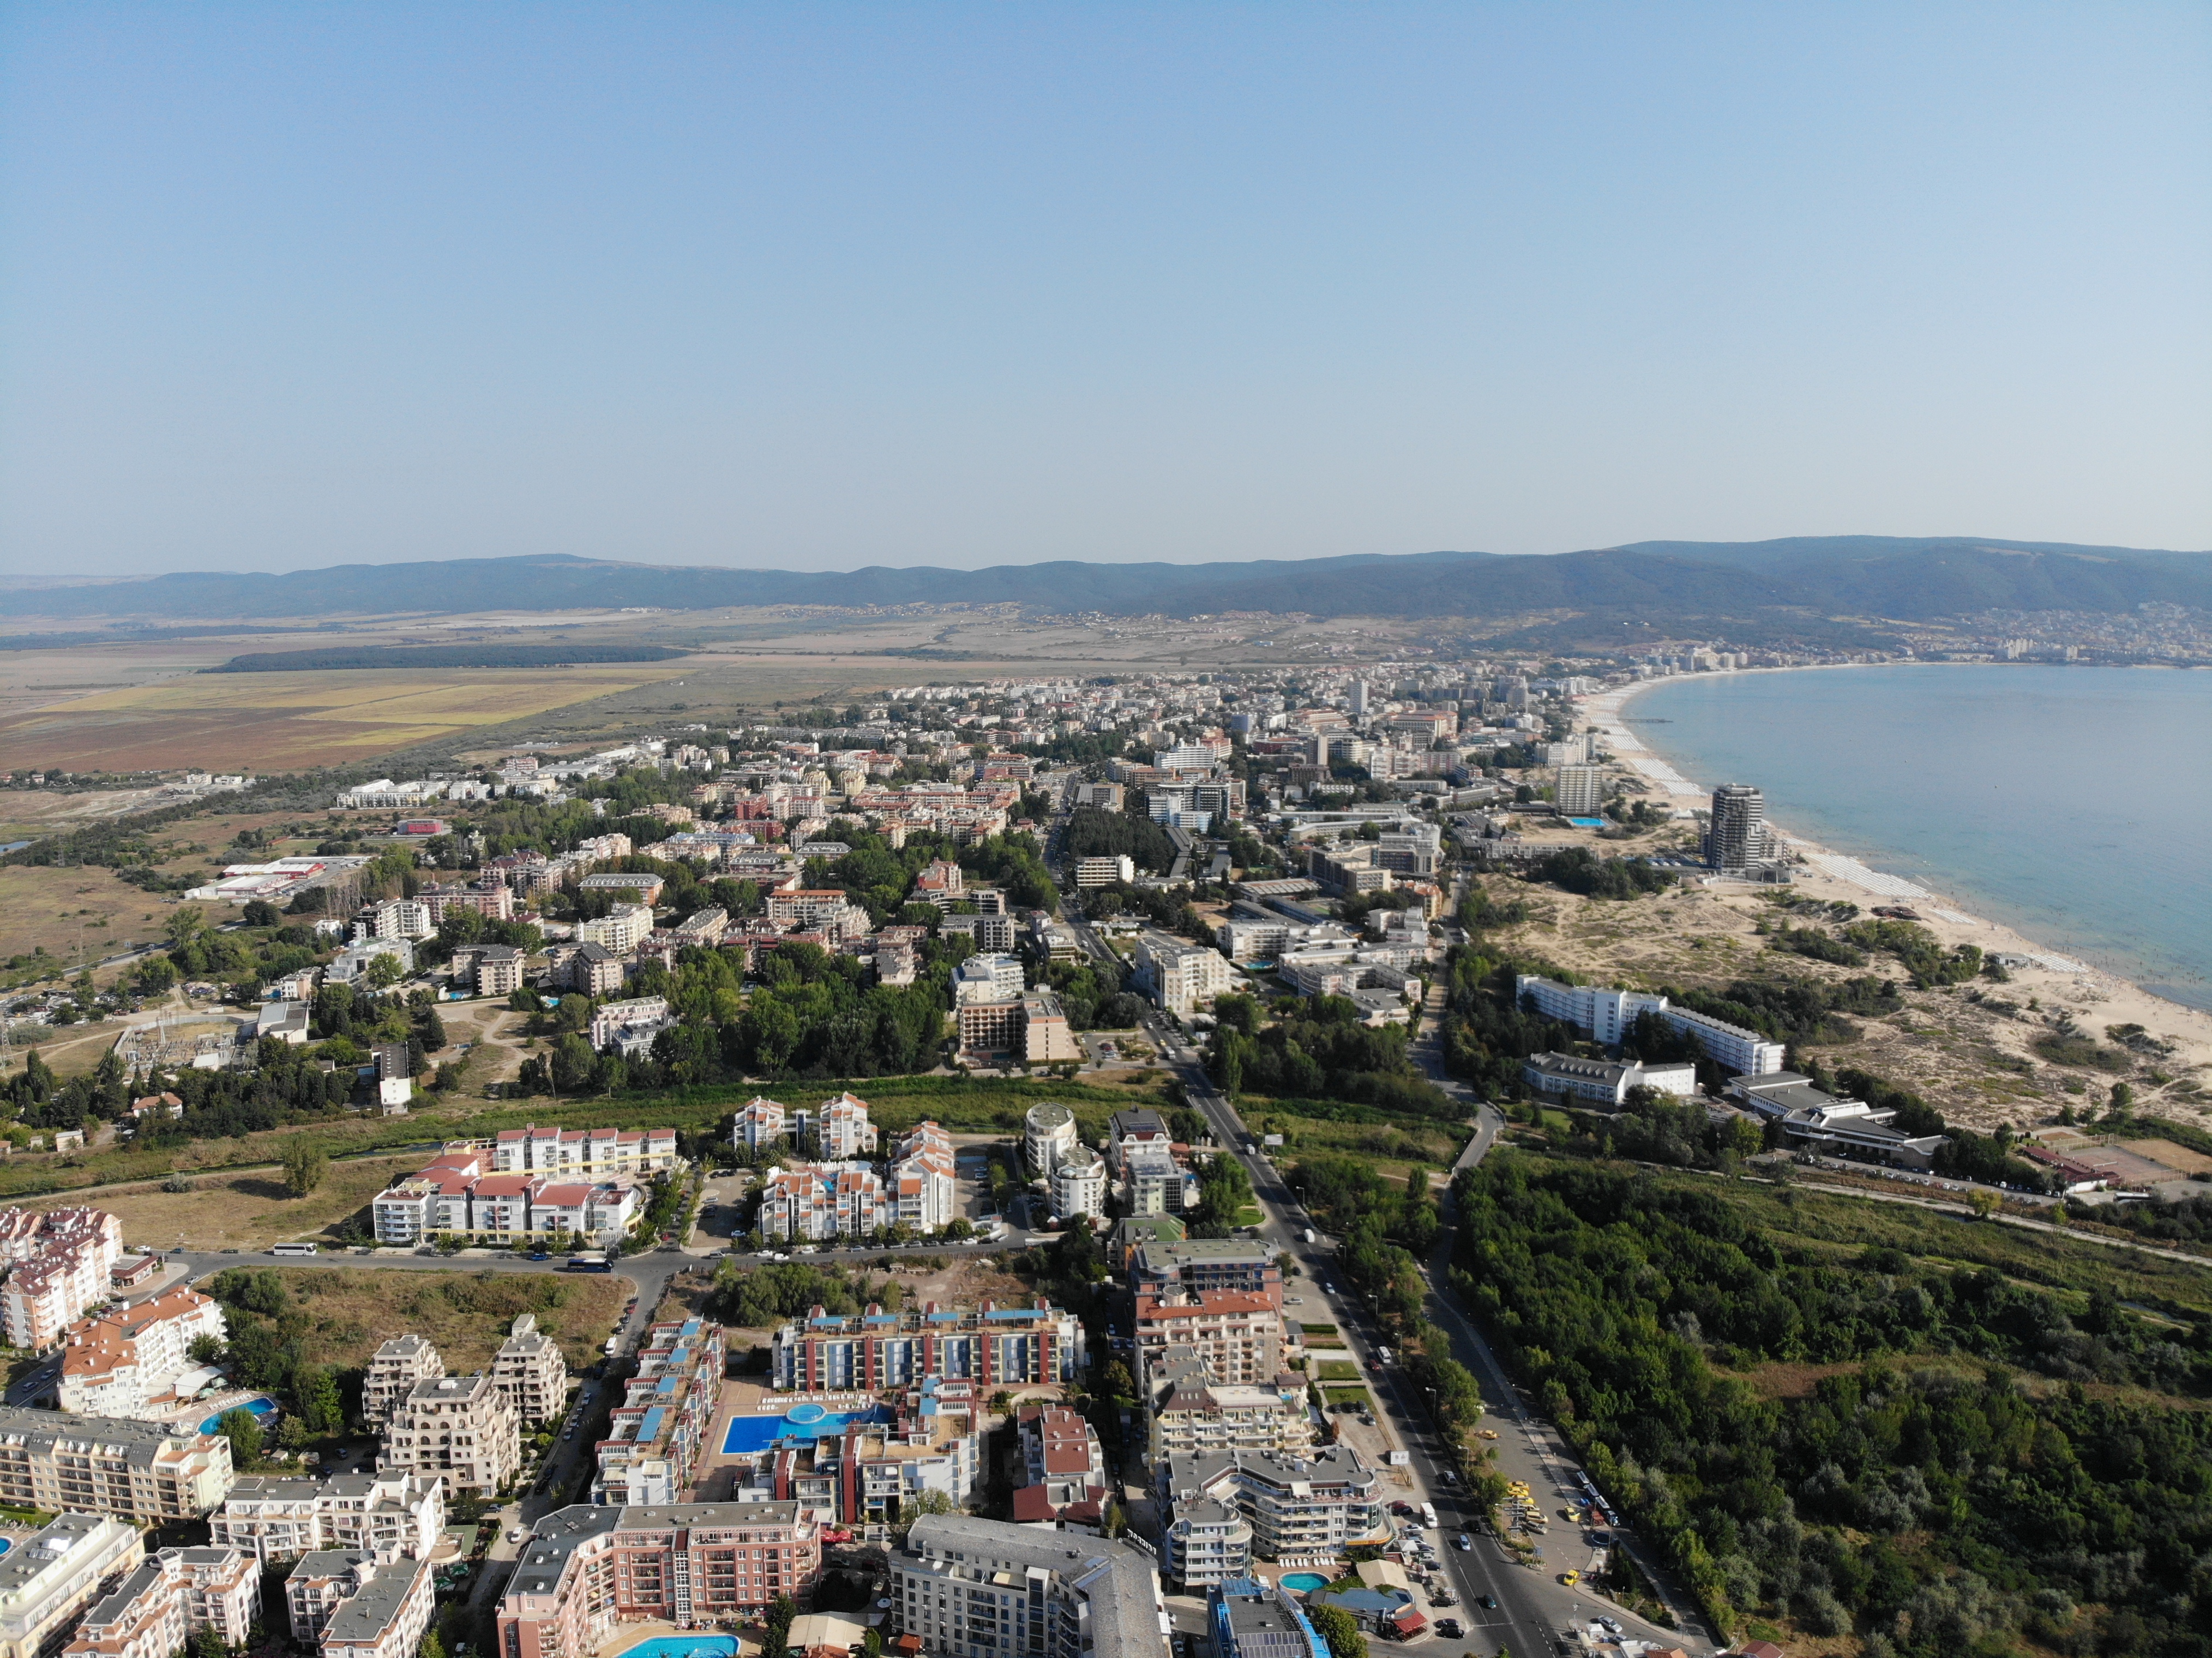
(1570, 1579)
(1486, 1433)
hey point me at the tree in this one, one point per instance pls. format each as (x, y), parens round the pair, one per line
(243, 1430)
(185, 925)
(1339, 1628)
(432, 1647)
(206, 1350)
(1983, 1202)
(384, 972)
(304, 1163)
(317, 1392)
(259, 912)
(292, 1434)
(206, 1644)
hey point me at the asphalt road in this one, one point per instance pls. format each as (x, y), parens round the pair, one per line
(1532, 1606)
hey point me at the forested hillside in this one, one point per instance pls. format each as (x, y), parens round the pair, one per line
(1871, 1434)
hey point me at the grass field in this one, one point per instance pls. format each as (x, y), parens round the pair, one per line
(1337, 1370)
(1346, 1395)
(351, 1312)
(244, 1211)
(285, 721)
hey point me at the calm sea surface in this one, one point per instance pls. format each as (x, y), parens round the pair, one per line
(2073, 804)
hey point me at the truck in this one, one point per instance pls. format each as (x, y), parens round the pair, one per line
(591, 1260)
(1429, 1516)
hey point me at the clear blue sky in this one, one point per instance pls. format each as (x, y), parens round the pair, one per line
(815, 286)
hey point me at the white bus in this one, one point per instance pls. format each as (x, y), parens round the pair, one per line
(293, 1250)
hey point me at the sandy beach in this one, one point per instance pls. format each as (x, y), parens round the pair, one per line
(2097, 997)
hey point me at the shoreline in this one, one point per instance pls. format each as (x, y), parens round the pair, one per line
(2055, 978)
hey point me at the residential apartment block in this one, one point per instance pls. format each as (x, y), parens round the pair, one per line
(924, 1192)
(668, 1419)
(814, 1201)
(461, 1428)
(1063, 1468)
(127, 1360)
(1609, 1017)
(1180, 976)
(140, 1472)
(57, 1263)
(393, 1369)
(356, 1605)
(1188, 1413)
(1237, 1335)
(530, 1369)
(1309, 1507)
(588, 1568)
(844, 1129)
(170, 1597)
(991, 1345)
(1207, 1264)
(274, 1520)
(47, 1580)
(760, 1122)
(982, 1588)
(458, 1192)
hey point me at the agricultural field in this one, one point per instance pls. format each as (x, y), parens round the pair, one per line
(247, 1209)
(351, 1312)
(288, 721)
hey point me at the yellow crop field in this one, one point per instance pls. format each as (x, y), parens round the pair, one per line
(279, 721)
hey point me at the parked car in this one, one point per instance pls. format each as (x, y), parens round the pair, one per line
(1448, 1628)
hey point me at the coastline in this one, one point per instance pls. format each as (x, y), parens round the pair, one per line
(2055, 978)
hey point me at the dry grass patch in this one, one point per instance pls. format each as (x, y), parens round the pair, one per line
(245, 1211)
(351, 1312)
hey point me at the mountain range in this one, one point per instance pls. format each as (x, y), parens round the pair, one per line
(1808, 588)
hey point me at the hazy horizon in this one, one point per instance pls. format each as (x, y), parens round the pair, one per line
(784, 288)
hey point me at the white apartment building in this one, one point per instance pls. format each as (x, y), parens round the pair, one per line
(621, 931)
(843, 1128)
(355, 959)
(983, 1588)
(922, 1187)
(169, 1597)
(530, 1369)
(353, 1605)
(462, 1428)
(760, 1122)
(47, 1580)
(397, 918)
(1048, 1133)
(1579, 790)
(393, 1370)
(273, 1520)
(1181, 977)
(994, 978)
(1610, 1015)
(812, 1202)
(591, 1152)
(126, 1361)
(1118, 870)
(631, 1025)
(1079, 1184)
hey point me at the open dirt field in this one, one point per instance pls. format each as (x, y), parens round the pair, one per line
(287, 721)
(249, 1210)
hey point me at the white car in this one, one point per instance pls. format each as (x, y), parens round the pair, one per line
(1462, 1541)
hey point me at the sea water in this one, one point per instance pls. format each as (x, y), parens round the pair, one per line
(2072, 804)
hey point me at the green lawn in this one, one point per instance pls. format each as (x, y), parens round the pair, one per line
(1337, 1370)
(1345, 1396)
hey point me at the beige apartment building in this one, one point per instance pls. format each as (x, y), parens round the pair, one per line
(47, 1581)
(142, 1472)
(354, 1604)
(275, 1520)
(461, 1428)
(168, 1599)
(393, 1370)
(529, 1368)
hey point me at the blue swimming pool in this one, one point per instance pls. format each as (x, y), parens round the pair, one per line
(758, 1433)
(263, 1405)
(1305, 1583)
(685, 1646)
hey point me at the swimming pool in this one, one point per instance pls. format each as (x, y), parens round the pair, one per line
(805, 1421)
(1305, 1583)
(685, 1646)
(262, 1405)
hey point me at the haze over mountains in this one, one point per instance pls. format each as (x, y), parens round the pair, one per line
(1810, 587)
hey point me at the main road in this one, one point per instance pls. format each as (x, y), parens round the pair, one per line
(1529, 1608)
